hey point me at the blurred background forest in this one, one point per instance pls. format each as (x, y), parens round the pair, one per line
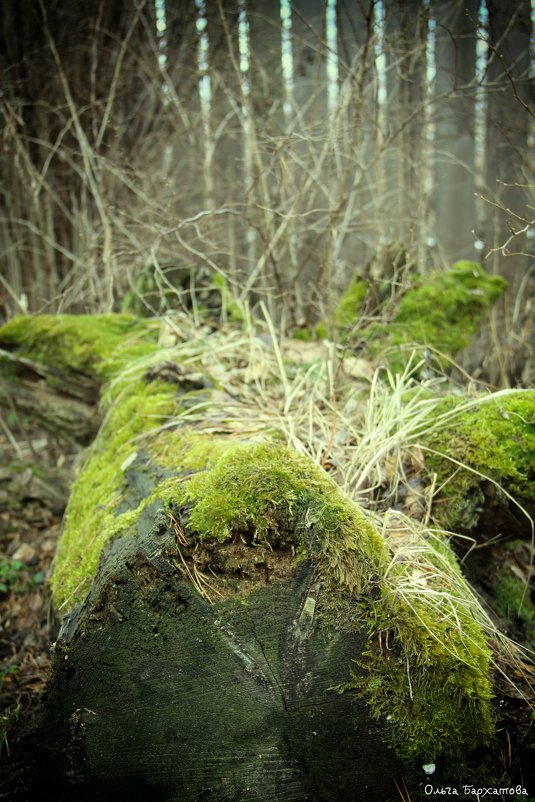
(286, 146)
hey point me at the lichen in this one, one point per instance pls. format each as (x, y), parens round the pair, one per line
(494, 438)
(440, 314)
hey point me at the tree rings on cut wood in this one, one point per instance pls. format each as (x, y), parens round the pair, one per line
(158, 694)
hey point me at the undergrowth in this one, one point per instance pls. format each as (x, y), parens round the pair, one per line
(310, 449)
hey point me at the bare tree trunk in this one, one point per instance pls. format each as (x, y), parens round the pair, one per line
(454, 190)
(510, 95)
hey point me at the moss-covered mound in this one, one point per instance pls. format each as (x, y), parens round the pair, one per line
(432, 680)
(428, 667)
(492, 438)
(226, 492)
(440, 313)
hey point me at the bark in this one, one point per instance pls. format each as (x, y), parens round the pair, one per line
(188, 700)
(64, 404)
(224, 612)
(454, 184)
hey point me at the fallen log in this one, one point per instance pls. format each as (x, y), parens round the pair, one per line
(234, 626)
(52, 367)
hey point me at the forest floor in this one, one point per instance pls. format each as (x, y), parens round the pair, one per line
(29, 531)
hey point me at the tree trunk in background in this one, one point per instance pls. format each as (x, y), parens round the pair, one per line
(454, 190)
(310, 123)
(414, 30)
(510, 174)
(309, 49)
(509, 187)
(268, 91)
(394, 228)
(362, 197)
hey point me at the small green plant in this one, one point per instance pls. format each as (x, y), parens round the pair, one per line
(11, 579)
(9, 573)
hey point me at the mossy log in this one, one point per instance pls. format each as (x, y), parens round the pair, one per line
(52, 367)
(481, 453)
(436, 317)
(233, 626)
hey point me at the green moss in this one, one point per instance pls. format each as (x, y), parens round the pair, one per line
(347, 311)
(432, 683)
(441, 709)
(266, 489)
(95, 345)
(349, 307)
(495, 438)
(426, 672)
(91, 518)
(230, 309)
(441, 313)
(513, 600)
(273, 495)
(306, 335)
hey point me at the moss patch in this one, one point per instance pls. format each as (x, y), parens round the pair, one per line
(347, 311)
(95, 345)
(91, 518)
(431, 683)
(494, 438)
(441, 313)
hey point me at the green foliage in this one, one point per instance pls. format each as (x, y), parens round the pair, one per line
(95, 345)
(442, 313)
(495, 438)
(306, 335)
(513, 599)
(9, 573)
(347, 311)
(13, 576)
